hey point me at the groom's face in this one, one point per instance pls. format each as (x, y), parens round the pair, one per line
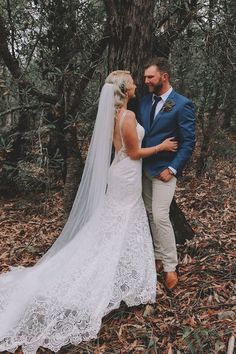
(153, 79)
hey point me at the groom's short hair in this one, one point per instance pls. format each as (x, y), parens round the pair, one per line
(161, 63)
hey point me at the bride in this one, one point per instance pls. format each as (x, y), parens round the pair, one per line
(104, 254)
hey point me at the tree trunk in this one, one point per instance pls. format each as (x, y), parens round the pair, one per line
(182, 229)
(131, 44)
(208, 137)
(73, 175)
(229, 106)
(131, 28)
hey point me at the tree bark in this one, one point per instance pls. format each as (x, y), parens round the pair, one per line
(131, 44)
(131, 28)
(208, 135)
(182, 229)
(230, 106)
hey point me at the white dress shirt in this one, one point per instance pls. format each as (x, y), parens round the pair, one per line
(160, 104)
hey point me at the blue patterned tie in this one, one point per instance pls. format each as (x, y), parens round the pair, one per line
(152, 113)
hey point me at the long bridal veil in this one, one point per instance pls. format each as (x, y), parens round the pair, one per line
(103, 256)
(93, 184)
(20, 285)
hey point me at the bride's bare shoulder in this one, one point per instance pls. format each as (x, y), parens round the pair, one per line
(129, 123)
(129, 117)
(130, 114)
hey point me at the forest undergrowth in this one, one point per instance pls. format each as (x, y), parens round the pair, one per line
(199, 316)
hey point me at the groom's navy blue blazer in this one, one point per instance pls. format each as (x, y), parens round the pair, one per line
(178, 122)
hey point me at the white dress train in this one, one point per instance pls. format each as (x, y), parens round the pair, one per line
(63, 299)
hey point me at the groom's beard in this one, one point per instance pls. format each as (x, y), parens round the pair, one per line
(158, 88)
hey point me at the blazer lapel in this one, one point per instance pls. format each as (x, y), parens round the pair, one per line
(160, 113)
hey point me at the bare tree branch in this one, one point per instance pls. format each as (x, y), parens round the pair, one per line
(95, 57)
(112, 16)
(33, 48)
(110, 7)
(12, 28)
(184, 18)
(184, 15)
(18, 108)
(13, 66)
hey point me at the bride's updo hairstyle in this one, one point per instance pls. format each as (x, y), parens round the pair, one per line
(120, 80)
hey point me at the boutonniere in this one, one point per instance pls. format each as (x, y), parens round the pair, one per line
(168, 105)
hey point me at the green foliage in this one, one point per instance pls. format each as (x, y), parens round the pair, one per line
(42, 164)
(54, 44)
(198, 339)
(6, 145)
(222, 146)
(30, 177)
(202, 340)
(203, 56)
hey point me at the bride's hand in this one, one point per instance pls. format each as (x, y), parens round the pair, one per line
(169, 144)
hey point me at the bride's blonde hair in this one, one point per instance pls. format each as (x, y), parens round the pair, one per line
(120, 80)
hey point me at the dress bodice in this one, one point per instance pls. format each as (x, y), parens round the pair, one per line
(119, 155)
(125, 174)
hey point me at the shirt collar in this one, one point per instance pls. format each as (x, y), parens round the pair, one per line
(165, 95)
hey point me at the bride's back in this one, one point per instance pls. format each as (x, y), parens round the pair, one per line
(117, 139)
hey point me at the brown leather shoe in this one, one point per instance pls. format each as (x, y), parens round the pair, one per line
(171, 280)
(159, 265)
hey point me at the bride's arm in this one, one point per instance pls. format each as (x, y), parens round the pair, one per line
(130, 137)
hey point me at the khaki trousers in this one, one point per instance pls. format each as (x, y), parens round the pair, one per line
(157, 196)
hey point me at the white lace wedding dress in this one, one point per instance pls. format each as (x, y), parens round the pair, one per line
(63, 299)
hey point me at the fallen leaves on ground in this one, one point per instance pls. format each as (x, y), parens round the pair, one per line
(199, 316)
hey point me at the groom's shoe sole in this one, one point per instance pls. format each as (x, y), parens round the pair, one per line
(171, 280)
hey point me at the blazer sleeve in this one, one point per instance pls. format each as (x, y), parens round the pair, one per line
(187, 136)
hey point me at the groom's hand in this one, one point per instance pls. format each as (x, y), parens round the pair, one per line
(165, 175)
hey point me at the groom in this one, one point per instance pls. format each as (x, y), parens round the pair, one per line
(164, 113)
